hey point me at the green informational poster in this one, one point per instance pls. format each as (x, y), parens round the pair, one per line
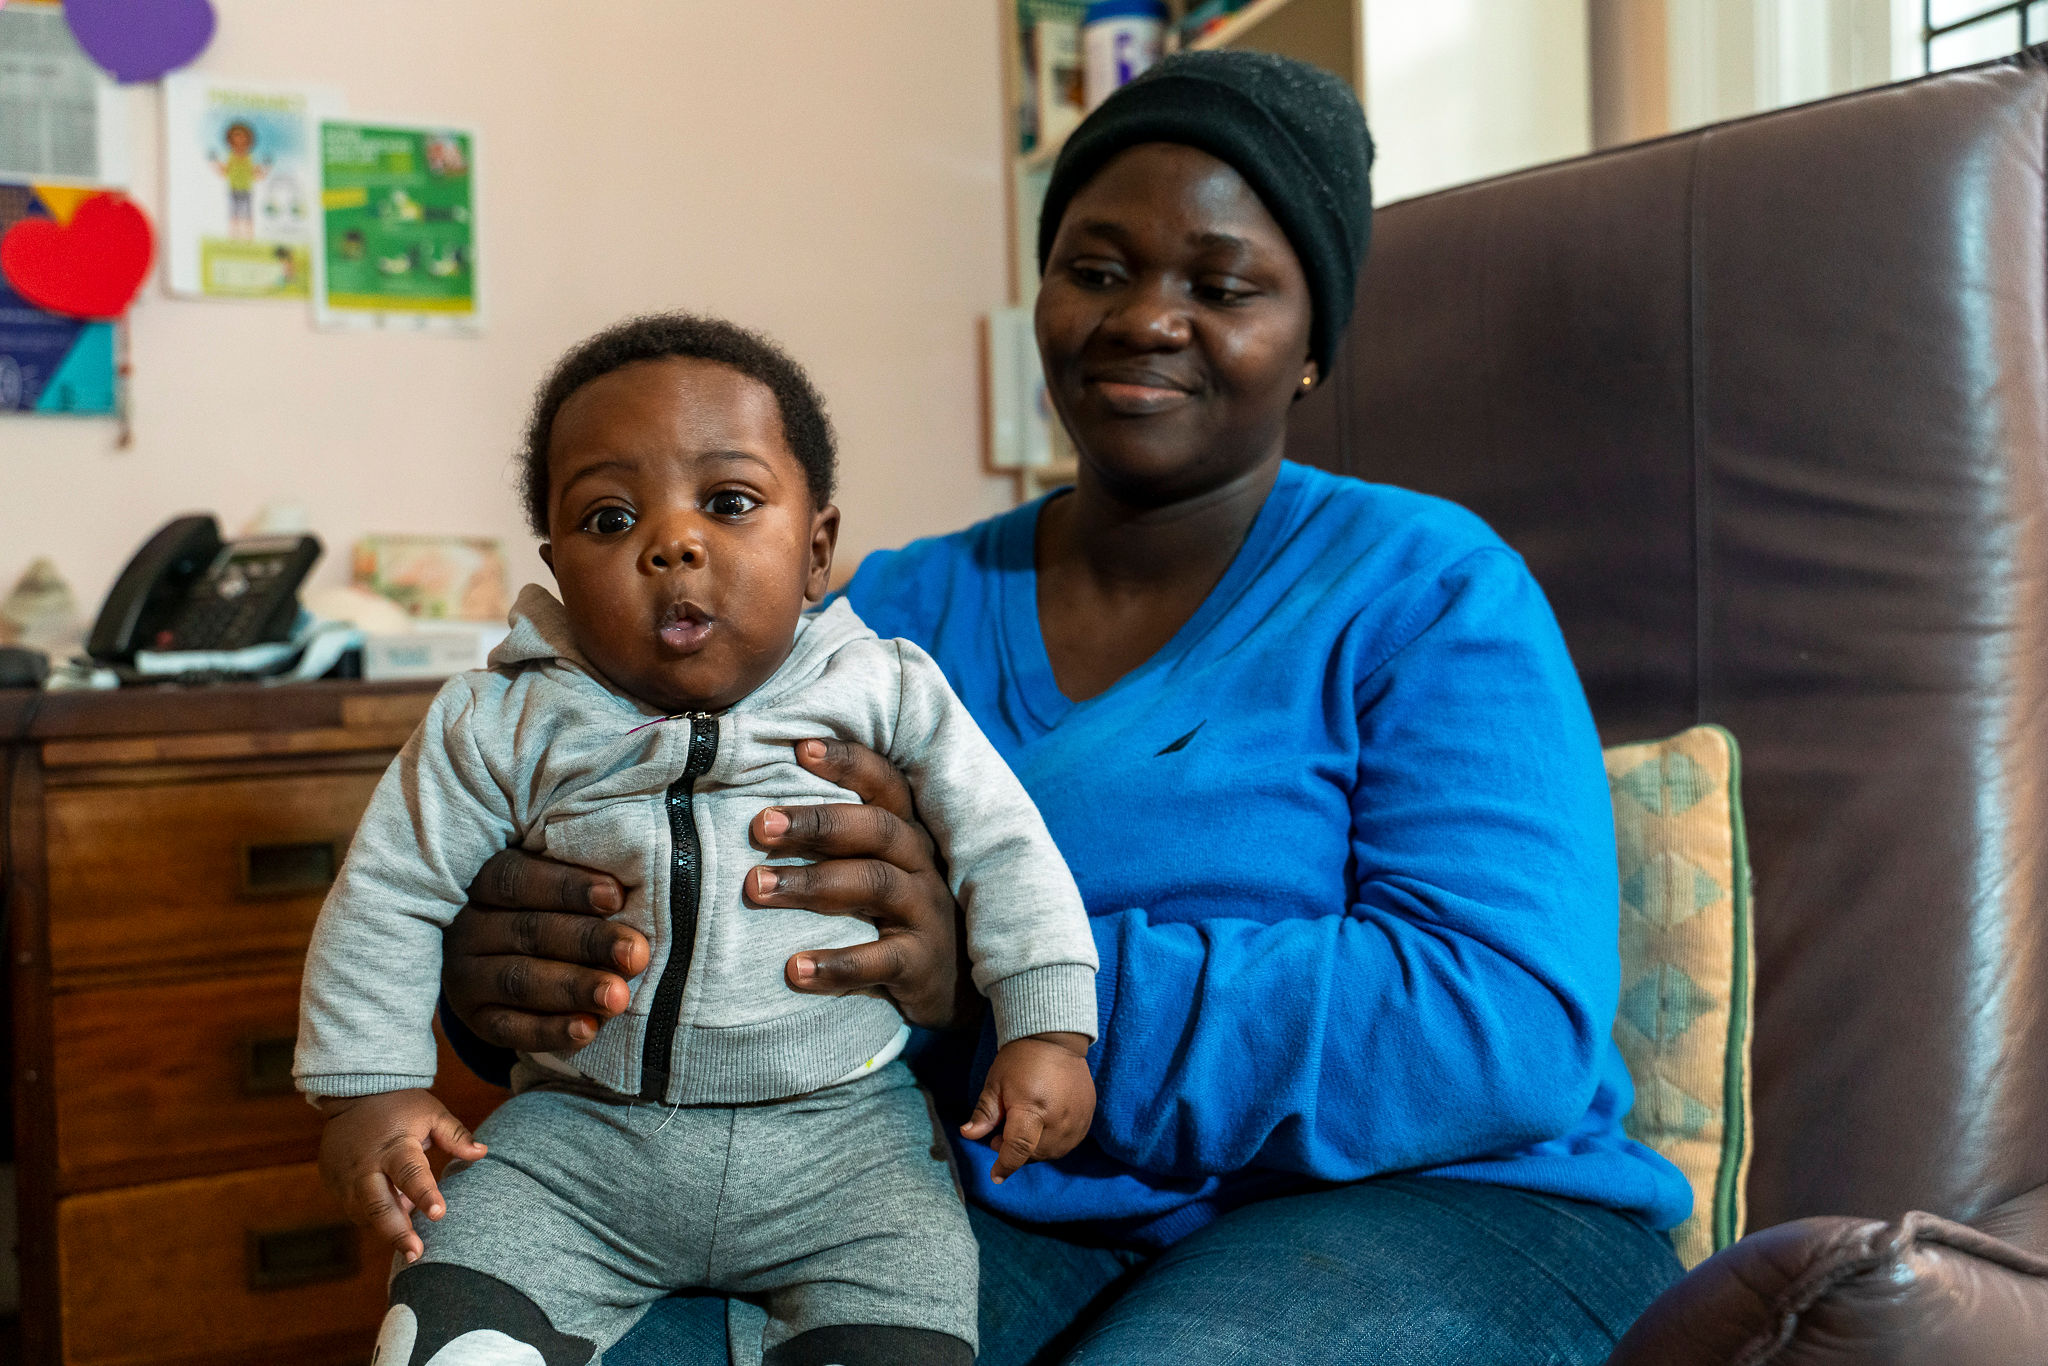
(398, 226)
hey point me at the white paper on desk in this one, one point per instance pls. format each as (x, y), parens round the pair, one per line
(62, 119)
(242, 185)
(250, 659)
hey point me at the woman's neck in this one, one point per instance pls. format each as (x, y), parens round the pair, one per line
(1128, 546)
(1117, 578)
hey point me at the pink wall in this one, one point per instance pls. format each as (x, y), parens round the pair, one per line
(827, 170)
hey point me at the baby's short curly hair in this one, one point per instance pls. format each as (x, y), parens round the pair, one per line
(660, 336)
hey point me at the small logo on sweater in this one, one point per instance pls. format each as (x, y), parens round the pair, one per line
(1178, 745)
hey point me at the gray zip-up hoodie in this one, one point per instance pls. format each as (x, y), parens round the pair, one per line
(536, 751)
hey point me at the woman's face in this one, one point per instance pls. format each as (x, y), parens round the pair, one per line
(1174, 324)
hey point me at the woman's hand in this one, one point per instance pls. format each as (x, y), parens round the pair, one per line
(876, 862)
(544, 974)
(532, 963)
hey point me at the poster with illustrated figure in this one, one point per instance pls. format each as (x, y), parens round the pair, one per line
(242, 186)
(49, 363)
(398, 229)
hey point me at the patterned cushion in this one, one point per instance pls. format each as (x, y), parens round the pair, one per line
(1684, 1021)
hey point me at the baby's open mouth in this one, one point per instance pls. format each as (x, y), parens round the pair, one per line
(684, 626)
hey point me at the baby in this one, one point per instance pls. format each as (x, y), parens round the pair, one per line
(726, 1133)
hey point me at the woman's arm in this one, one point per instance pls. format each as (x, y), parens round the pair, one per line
(1460, 1005)
(543, 976)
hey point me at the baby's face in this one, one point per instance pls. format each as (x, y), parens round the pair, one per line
(681, 531)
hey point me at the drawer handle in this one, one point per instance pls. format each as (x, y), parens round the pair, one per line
(289, 869)
(267, 1065)
(302, 1256)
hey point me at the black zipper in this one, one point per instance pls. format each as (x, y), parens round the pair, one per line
(685, 889)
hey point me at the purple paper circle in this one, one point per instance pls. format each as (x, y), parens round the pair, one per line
(139, 40)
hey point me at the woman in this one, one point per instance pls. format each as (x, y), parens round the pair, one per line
(1317, 756)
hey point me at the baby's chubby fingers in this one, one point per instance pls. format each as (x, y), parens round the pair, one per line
(405, 1164)
(1065, 1127)
(453, 1137)
(1021, 1129)
(988, 1112)
(373, 1155)
(372, 1201)
(1069, 1110)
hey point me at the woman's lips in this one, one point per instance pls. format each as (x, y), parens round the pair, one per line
(1138, 398)
(684, 628)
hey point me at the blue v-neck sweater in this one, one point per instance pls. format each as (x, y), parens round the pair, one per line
(1348, 852)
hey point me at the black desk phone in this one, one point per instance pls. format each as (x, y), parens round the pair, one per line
(186, 589)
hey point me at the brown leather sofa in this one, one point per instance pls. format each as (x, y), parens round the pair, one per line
(1765, 407)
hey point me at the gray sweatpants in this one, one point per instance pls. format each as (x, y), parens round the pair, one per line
(835, 1208)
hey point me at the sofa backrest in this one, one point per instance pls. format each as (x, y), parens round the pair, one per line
(1765, 408)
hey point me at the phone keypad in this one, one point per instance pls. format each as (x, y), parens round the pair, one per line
(230, 608)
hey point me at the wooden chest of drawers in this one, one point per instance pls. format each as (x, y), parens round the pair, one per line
(166, 853)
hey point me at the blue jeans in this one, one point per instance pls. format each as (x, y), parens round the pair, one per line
(1400, 1271)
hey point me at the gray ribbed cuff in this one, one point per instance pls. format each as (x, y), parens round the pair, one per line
(349, 1085)
(1056, 999)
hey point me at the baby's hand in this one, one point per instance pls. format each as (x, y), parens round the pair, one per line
(373, 1156)
(1039, 1091)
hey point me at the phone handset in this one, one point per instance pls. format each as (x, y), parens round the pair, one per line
(157, 579)
(188, 590)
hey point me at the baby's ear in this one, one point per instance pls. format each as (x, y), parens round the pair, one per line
(824, 540)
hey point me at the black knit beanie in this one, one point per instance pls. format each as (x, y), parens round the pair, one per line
(1295, 133)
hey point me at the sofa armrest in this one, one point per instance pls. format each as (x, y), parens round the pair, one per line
(1921, 1291)
(2021, 1221)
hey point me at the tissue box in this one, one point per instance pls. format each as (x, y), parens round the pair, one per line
(438, 651)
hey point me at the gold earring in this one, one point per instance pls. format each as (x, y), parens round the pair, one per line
(1308, 381)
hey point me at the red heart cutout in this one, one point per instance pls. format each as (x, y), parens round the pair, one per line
(87, 268)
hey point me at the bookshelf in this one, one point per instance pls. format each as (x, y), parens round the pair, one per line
(1326, 33)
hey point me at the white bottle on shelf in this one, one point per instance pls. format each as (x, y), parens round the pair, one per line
(1120, 39)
